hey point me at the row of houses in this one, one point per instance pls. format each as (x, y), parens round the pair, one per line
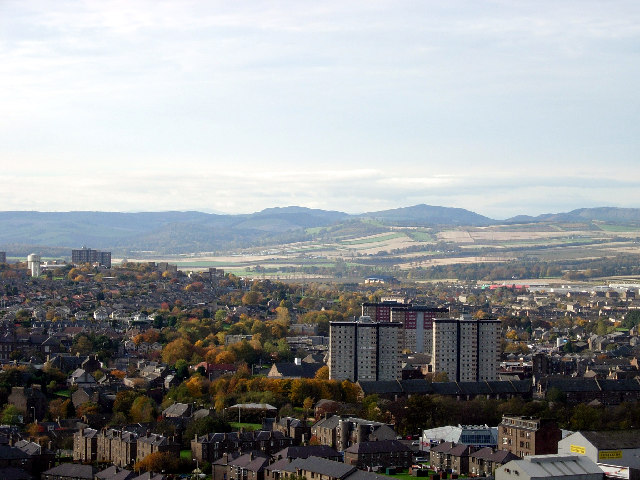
(120, 447)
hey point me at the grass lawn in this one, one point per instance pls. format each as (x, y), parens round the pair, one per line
(63, 393)
(185, 454)
(246, 426)
(406, 476)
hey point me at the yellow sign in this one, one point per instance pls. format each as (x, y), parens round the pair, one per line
(609, 454)
(577, 449)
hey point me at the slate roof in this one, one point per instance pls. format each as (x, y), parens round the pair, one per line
(155, 439)
(31, 448)
(322, 451)
(254, 461)
(322, 466)
(362, 475)
(73, 470)
(617, 440)
(381, 446)
(443, 447)
(12, 453)
(12, 473)
(291, 370)
(177, 410)
(115, 473)
(150, 476)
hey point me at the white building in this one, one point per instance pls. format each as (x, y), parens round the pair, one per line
(34, 263)
(620, 448)
(550, 467)
(475, 435)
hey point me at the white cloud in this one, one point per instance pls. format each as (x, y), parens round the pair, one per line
(492, 106)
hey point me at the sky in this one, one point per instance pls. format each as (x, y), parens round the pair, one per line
(500, 107)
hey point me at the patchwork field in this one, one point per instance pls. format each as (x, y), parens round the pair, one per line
(406, 248)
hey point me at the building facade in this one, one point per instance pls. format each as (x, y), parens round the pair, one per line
(466, 349)
(87, 255)
(524, 436)
(365, 350)
(416, 320)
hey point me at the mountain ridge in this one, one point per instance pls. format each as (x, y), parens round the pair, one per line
(192, 231)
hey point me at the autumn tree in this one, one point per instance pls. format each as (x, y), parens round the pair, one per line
(177, 350)
(158, 462)
(143, 410)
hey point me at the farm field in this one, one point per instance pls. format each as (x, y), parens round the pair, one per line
(407, 248)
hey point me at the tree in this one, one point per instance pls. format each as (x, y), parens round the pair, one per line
(61, 408)
(88, 408)
(143, 409)
(307, 404)
(124, 400)
(158, 462)
(322, 373)
(10, 415)
(251, 298)
(176, 350)
(82, 345)
(631, 319)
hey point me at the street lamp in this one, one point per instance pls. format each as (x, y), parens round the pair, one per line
(197, 471)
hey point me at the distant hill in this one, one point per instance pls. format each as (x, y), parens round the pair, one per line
(183, 232)
(601, 214)
(430, 215)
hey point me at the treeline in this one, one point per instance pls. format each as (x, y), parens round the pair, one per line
(572, 270)
(429, 411)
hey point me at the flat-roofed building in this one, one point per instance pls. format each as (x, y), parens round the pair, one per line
(466, 349)
(87, 255)
(524, 436)
(365, 350)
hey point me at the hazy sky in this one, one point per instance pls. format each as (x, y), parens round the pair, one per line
(501, 107)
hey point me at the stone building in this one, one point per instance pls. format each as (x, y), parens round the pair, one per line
(525, 436)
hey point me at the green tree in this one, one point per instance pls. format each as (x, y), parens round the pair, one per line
(143, 409)
(11, 415)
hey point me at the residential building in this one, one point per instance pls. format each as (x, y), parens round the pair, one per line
(417, 322)
(70, 471)
(294, 428)
(525, 436)
(311, 468)
(365, 350)
(384, 453)
(550, 467)
(297, 369)
(306, 451)
(30, 401)
(3, 257)
(466, 349)
(212, 446)
(484, 462)
(340, 432)
(249, 466)
(451, 457)
(87, 255)
(85, 445)
(153, 442)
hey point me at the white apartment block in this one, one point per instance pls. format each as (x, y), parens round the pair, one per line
(466, 349)
(365, 350)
